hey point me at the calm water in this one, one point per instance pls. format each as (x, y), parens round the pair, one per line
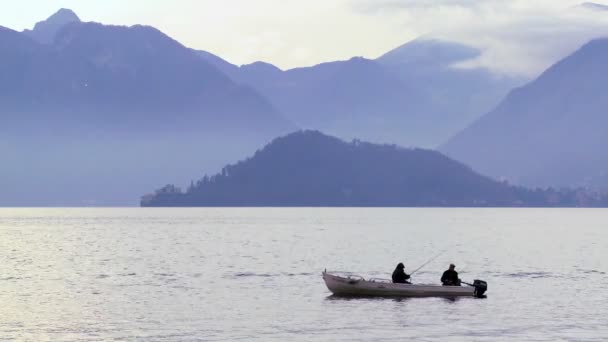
(254, 274)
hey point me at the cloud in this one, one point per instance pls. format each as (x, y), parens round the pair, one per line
(516, 36)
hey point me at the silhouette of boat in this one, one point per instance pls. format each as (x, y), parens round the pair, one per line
(354, 285)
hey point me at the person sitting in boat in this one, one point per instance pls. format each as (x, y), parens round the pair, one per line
(399, 275)
(450, 277)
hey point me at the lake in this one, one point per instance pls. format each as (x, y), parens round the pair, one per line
(255, 274)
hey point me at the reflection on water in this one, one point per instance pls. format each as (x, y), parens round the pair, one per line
(255, 274)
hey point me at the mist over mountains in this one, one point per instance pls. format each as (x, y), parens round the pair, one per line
(550, 132)
(413, 95)
(97, 115)
(103, 112)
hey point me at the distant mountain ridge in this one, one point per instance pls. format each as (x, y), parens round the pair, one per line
(125, 106)
(309, 168)
(412, 95)
(128, 106)
(136, 73)
(549, 132)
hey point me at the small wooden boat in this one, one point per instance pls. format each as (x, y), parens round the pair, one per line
(353, 285)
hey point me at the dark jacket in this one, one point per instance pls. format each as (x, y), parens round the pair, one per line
(450, 277)
(399, 276)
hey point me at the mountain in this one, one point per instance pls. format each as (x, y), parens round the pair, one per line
(102, 113)
(413, 95)
(308, 168)
(454, 96)
(551, 132)
(429, 52)
(354, 98)
(45, 31)
(594, 6)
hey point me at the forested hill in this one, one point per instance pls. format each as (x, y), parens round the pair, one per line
(309, 168)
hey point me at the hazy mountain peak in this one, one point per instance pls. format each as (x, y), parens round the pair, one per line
(429, 52)
(594, 6)
(133, 49)
(61, 17)
(262, 66)
(46, 30)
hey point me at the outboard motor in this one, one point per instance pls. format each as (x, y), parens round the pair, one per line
(480, 288)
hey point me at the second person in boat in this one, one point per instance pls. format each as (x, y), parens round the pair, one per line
(399, 275)
(450, 277)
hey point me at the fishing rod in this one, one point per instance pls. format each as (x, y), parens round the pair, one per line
(432, 259)
(429, 261)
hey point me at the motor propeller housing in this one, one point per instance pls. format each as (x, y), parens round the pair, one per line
(480, 287)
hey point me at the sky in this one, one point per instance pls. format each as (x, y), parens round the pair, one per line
(516, 36)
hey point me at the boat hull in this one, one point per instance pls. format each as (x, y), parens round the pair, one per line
(348, 286)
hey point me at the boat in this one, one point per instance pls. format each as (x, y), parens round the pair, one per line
(354, 285)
